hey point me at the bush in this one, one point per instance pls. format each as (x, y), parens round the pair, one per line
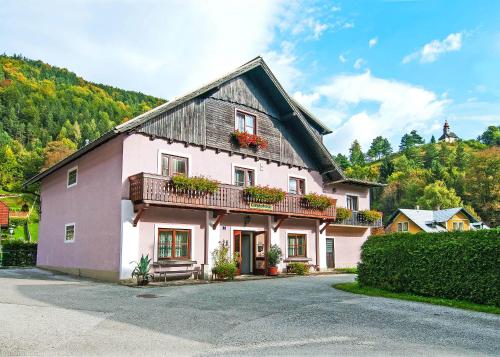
(453, 265)
(224, 265)
(371, 216)
(321, 202)
(16, 252)
(343, 213)
(274, 255)
(298, 268)
(264, 194)
(195, 184)
(17, 221)
(225, 271)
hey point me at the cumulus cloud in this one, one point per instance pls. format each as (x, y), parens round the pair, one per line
(373, 42)
(359, 63)
(368, 106)
(342, 58)
(434, 49)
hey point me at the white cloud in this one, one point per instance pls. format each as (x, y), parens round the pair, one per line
(336, 8)
(282, 64)
(348, 25)
(359, 63)
(373, 42)
(147, 48)
(432, 50)
(369, 106)
(342, 58)
(310, 25)
(306, 99)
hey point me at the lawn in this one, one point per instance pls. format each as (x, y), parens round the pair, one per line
(460, 304)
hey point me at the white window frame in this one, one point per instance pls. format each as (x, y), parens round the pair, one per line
(246, 112)
(458, 223)
(299, 177)
(174, 226)
(65, 232)
(402, 226)
(173, 153)
(357, 201)
(243, 166)
(74, 168)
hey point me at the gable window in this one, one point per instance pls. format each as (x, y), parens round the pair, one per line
(296, 186)
(352, 202)
(69, 233)
(458, 226)
(172, 165)
(244, 177)
(245, 122)
(403, 227)
(174, 243)
(72, 178)
(297, 245)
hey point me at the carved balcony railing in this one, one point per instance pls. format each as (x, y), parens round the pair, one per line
(159, 190)
(358, 219)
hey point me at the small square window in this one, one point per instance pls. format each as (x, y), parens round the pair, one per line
(69, 235)
(244, 177)
(458, 226)
(296, 186)
(245, 122)
(352, 202)
(403, 227)
(72, 178)
(173, 165)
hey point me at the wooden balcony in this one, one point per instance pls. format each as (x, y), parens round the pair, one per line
(357, 219)
(159, 190)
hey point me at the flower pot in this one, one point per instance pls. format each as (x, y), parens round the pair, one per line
(273, 271)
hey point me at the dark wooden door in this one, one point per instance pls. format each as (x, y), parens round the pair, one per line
(330, 253)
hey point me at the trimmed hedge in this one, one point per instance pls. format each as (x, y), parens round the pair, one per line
(453, 265)
(16, 252)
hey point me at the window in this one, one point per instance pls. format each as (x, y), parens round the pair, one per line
(297, 186)
(69, 234)
(403, 227)
(174, 243)
(458, 226)
(72, 178)
(352, 202)
(245, 122)
(173, 165)
(244, 177)
(296, 245)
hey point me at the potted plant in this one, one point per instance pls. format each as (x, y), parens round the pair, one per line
(273, 259)
(263, 194)
(196, 184)
(245, 140)
(371, 216)
(342, 214)
(141, 271)
(316, 201)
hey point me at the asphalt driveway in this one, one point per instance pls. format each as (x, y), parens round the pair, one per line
(46, 314)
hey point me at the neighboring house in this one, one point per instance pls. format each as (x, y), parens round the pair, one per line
(114, 200)
(448, 136)
(4, 215)
(417, 220)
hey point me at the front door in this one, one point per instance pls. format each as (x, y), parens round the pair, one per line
(242, 247)
(330, 253)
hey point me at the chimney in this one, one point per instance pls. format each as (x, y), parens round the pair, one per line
(417, 207)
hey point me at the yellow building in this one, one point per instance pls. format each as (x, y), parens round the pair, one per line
(417, 220)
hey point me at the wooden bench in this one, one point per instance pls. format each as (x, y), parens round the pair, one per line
(165, 269)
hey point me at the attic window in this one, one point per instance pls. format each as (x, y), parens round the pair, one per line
(245, 122)
(72, 177)
(403, 227)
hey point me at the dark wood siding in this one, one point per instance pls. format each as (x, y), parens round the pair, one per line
(209, 122)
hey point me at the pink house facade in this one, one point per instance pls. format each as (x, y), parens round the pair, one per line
(114, 200)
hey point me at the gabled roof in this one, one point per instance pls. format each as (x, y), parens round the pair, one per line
(432, 221)
(448, 135)
(301, 115)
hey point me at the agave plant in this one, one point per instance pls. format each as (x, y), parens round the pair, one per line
(141, 270)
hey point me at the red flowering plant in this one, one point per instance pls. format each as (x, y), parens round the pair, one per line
(246, 140)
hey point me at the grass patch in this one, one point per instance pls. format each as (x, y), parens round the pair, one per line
(459, 304)
(347, 270)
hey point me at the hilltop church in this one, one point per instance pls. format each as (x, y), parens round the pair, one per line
(448, 136)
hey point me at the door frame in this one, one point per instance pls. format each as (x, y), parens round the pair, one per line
(254, 231)
(333, 252)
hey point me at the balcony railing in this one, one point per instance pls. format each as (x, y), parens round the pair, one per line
(160, 190)
(358, 219)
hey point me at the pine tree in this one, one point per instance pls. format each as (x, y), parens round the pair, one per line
(356, 155)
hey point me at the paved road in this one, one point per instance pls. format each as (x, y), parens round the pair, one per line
(45, 314)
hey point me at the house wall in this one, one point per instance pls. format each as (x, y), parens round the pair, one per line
(347, 242)
(93, 205)
(340, 192)
(459, 217)
(412, 227)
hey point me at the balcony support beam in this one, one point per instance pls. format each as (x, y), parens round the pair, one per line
(326, 223)
(218, 218)
(139, 214)
(280, 220)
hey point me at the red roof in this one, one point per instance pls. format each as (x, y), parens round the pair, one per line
(4, 215)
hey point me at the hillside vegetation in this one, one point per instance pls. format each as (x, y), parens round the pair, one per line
(47, 112)
(433, 175)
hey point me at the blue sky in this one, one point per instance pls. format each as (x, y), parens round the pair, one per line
(366, 68)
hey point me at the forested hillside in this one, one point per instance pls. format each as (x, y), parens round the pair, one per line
(47, 112)
(432, 175)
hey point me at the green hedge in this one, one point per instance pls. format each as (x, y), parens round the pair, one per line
(16, 252)
(455, 265)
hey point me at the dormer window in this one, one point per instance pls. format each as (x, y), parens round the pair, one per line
(245, 122)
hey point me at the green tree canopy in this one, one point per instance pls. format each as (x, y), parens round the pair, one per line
(356, 155)
(491, 136)
(380, 147)
(438, 196)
